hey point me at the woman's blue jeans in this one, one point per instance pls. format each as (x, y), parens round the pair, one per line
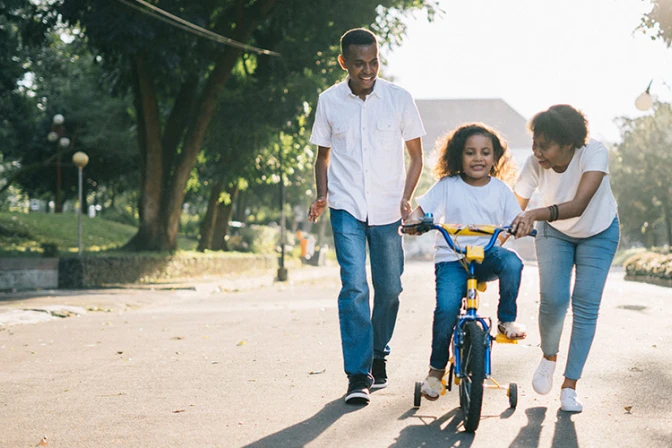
(558, 255)
(365, 335)
(451, 287)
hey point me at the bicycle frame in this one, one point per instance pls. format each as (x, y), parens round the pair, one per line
(473, 255)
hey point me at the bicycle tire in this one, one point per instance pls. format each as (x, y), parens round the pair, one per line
(472, 355)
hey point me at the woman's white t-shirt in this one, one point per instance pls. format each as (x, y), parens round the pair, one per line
(451, 200)
(556, 188)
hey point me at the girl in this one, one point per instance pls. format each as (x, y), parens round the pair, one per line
(577, 230)
(468, 191)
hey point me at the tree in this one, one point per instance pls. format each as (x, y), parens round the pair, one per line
(659, 21)
(641, 172)
(177, 79)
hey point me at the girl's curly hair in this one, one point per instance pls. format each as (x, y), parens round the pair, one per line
(451, 146)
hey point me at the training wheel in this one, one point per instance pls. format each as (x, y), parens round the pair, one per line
(513, 395)
(417, 396)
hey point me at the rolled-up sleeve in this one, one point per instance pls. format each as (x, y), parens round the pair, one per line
(411, 125)
(321, 134)
(528, 180)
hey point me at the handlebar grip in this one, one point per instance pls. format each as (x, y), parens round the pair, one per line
(533, 233)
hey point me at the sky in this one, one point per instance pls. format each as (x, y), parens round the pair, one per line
(536, 53)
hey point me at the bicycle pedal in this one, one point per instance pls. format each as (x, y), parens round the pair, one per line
(502, 339)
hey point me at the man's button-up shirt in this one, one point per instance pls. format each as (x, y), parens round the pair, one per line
(366, 172)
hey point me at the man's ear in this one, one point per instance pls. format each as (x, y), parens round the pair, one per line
(341, 61)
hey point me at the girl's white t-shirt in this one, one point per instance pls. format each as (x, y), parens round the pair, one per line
(453, 201)
(556, 188)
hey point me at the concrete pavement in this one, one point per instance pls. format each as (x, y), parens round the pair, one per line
(262, 368)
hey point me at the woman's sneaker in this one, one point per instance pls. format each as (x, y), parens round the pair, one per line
(569, 400)
(358, 390)
(542, 382)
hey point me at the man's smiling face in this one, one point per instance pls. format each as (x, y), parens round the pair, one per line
(361, 62)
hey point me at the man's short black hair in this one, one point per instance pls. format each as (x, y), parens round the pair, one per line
(356, 36)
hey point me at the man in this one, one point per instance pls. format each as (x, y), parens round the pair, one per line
(360, 128)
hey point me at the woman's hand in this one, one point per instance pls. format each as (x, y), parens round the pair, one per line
(405, 209)
(316, 209)
(412, 224)
(524, 223)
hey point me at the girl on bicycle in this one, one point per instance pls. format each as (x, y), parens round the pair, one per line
(472, 160)
(577, 230)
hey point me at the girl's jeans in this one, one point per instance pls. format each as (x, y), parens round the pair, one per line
(451, 287)
(558, 255)
(365, 335)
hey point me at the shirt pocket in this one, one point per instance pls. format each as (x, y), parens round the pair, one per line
(339, 137)
(387, 133)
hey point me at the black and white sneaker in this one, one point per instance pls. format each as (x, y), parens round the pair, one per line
(358, 390)
(379, 374)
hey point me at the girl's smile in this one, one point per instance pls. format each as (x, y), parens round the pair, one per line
(478, 158)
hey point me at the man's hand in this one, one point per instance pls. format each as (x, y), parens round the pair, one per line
(316, 209)
(405, 209)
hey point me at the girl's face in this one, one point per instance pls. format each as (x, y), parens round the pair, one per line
(550, 154)
(478, 158)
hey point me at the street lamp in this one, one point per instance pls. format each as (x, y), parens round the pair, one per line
(645, 101)
(57, 134)
(80, 159)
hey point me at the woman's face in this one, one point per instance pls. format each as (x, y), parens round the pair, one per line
(550, 154)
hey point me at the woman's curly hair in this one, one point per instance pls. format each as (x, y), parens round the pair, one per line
(561, 124)
(451, 146)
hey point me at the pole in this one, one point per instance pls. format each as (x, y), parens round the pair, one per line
(282, 271)
(79, 213)
(59, 208)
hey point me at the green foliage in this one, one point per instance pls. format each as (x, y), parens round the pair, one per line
(641, 168)
(259, 239)
(658, 22)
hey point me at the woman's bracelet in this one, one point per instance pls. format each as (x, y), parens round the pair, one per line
(553, 210)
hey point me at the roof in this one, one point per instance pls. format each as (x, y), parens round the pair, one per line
(442, 116)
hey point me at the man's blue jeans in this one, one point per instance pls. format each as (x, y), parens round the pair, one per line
(451, 287)
(558, 255)
(364, 335)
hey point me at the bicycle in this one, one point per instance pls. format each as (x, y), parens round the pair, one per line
(470, 363)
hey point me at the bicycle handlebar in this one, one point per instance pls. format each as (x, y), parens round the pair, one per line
(427, 223)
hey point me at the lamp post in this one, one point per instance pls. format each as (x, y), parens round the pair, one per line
(645, 101)
(80, 159)
(282, 270)
(57, 134)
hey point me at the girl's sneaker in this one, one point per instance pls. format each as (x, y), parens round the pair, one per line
(512, 330)
(432, 387)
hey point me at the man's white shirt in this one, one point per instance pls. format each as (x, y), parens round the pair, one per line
(366, 173)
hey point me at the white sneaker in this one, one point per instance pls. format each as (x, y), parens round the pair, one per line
(431, 388)
(569, 401)
(542, 382)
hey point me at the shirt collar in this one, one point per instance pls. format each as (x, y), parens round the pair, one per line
(378, 88)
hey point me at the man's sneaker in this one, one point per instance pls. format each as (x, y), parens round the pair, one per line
(569, 401)
(542, 382)
(358, 390)
(379, 374)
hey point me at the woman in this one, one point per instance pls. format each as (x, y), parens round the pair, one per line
(577, 229)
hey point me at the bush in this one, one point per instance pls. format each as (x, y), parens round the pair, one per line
(650, 264)
(259, 239)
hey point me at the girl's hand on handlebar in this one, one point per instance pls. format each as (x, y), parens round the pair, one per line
(523, 224)
(410, 227)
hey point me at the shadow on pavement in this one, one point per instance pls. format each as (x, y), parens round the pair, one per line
(565, 432)
(302, 433)
(529, 435)
(431, 433)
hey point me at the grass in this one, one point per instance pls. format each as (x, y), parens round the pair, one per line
(24, 234)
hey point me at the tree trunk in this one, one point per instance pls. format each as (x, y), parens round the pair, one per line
(668, 224)
(224, 215)
(208, 223)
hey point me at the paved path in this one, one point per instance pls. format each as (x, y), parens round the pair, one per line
(262, 368)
